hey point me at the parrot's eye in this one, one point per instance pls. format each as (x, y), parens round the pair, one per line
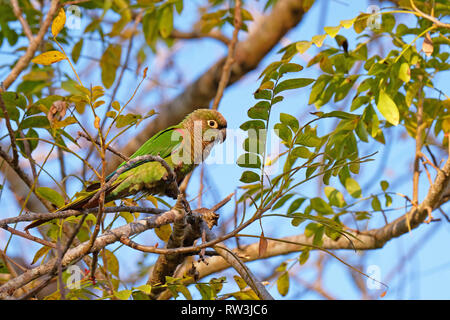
(213, 124)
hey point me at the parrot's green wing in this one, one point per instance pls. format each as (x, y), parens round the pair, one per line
(162, 144)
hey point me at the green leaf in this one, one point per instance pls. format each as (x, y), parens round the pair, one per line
(384, 185)
(270, 68)
(249, 177)
(282, 201)
(353, 187)
(388, 200)
(289, 120)
(249, 160)
(253, 124)
(290, 67)
(283, 283)
(32, 138)
(128, 119)
(388, 108)
(308, 140)
(259, 110)
(321, 206)
(166, 22)
(263, 95)
(123, 295)
(318, 87)
(50, 195)
(318, 236)
(295, 205)
(301, 152)
(387, 22)
(112, 262)
(361, 131)
(34, 122)
(304, 256)
(361, 22)
(292, 84)
(76, 51)
(282, 131)
(109, 63)
(205, 291)
(150, 28)
(376, 205)
(335, 197)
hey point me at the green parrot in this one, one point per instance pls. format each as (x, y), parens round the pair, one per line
(182, 146)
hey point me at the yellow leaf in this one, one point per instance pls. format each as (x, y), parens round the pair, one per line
(58, 22)
(49, 57)
(446, 125)
(303, 46)
(97, 122)
(153, 200)
(146, 288)
(318, 39)
(347, 23)
(164, 232)
(388, 108)
(40, 253)
(332, 31)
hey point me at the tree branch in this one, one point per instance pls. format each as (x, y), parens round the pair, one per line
(24, 61)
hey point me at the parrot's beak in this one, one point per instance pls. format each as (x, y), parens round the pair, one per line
(223, 134)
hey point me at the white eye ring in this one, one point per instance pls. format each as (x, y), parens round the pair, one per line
(213, 124)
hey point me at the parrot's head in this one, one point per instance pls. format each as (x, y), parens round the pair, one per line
(206, 127)
(212, 124)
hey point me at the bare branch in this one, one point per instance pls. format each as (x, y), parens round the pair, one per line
(24, 61)
(226, 71)
(18, 13)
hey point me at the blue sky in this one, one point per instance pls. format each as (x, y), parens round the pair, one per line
(426, 275)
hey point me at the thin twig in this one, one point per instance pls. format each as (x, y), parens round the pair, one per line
(198, 35)
(31, 216)
(29, 236)
(12, 136)
(109, 148)
(226, 71)
(428, 17)
(419, 129)
(18, 13)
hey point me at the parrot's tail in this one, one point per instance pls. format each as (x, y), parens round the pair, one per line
(77, 204)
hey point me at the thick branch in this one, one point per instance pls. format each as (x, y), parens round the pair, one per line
(75, 254)
(24, 61)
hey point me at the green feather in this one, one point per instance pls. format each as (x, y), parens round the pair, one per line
(161, 144)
